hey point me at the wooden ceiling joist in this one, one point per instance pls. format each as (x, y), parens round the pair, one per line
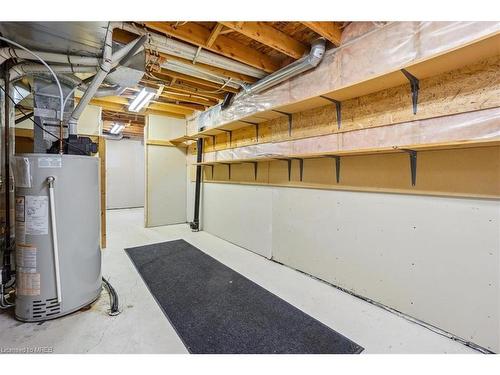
(199, 35)
(207, 84)
(123, 108)
(212, 69)
(270, 36)
(328, 30)
(174, 108)
(187, 88)
(190, 98)
(214, 34)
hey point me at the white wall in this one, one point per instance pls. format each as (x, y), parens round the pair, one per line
(165, 173)
(124, 173)
(434, 258)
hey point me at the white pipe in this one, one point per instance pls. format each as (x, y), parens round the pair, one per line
(172, 47)
(104, 68)
(8, 52)
(108, 61)
(20, 70)
(61, 96)
(55, 247)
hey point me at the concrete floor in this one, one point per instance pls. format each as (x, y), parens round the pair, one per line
(143, 328)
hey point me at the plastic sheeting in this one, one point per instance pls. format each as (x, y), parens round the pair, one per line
(478, 125)
(359, 59)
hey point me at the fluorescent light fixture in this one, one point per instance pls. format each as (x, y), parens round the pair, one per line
(141, 100)
(117, 128)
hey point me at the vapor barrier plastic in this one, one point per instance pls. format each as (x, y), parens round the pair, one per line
(478, 125)
(359, 59)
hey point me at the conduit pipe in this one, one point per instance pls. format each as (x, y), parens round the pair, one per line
(170, 46)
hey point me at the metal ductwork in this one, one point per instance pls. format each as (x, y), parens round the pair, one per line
(169, 46)
(300, 66)
(50, 57)
(107, 63)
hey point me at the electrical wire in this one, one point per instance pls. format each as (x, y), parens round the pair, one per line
(113, 298)
(39, 126)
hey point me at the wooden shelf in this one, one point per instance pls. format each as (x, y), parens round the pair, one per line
(357, 152)
(421, 69)
(411, 150)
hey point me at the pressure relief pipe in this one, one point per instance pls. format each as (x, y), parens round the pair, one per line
(55, 246)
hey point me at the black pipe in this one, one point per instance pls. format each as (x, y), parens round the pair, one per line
(195, 224)
(7, 241)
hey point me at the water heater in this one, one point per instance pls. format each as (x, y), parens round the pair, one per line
(58, 256)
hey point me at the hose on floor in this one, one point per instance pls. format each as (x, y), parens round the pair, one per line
(113, 298)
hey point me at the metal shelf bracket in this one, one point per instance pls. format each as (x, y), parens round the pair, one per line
(337, 166)
(338, 108)
(290, 120)
(413, 165)
(415, 87)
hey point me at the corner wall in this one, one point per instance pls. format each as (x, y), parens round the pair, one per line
(165, 200)
(433, 258)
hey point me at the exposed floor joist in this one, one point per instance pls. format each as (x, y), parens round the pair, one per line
(198, 35)
(328, 30)
(268, 35)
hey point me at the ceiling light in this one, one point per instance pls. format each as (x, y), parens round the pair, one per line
(141, 100)
(117, 128)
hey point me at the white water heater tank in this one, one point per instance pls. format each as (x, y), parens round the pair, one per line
(56, 194)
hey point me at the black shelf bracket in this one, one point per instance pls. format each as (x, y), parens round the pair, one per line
(338, 108)
(413, 165)
(255, 167)
(213, 139)
(290, 120)
(228, 169)
(337, 166)
(256, 124)
(212, 170)
(415, 86)
(289, 162)
(230, 132)
(301, 167)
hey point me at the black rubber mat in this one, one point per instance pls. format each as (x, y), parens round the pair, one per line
(216, 310)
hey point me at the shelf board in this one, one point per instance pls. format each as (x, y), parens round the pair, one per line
(421, 69)
(357, 152)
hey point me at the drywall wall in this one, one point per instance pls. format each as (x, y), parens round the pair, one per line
(124, 173)
(433, 258)
(166, 177)
(241, 216)
(90, 122)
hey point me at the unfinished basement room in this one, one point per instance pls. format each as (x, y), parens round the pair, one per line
(249, 187)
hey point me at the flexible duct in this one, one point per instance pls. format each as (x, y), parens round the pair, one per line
(170, 46)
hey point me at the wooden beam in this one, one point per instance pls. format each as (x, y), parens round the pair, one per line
(183, 97)
(328, 30)
(121, 108)
(198, 35)
(270, 36)
(214, 34)
(175, 108)
(199, 81)
(187, 89)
